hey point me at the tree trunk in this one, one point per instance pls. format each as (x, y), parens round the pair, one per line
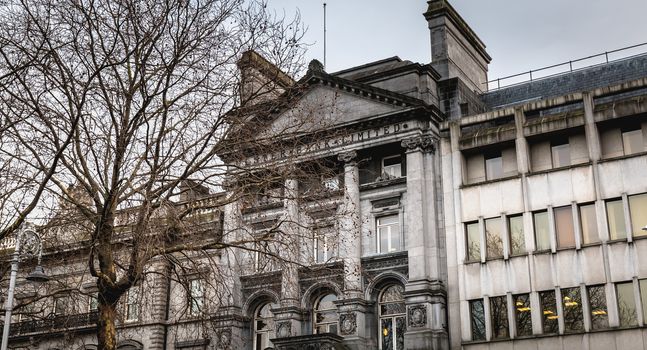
(106, 331)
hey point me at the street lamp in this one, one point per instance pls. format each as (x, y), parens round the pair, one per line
(32, 243)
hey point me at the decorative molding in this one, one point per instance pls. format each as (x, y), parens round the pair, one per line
(417, 315)
(224, 338)
(423, 143)
(347, 157)
(284, 329)
(348, 323)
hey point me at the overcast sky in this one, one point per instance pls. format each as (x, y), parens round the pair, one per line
(519, 34)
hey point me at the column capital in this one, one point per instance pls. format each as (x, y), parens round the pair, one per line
(347, 157)
(423, 143)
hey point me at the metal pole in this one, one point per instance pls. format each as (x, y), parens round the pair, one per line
(12, 285)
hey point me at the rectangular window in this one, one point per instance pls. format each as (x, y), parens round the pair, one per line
(494, 238)
(643, 297)
(549, 316)
(523, 314)
(632, 141)
(564, 227)
(473, 242)
(388, 234)
(499, 310)
(517, 238)
(132, 304)
(196, 297)
(542, 232)
(589, 224)
(627, 311)
(330, 183)
(324, 244)
(638, 213)
(598, 307)
(62, 306)
(263, 261)
(616, 219)
(572, 306)
(477, 315)
(494, 166)
(392, 167)
(93, 304)
(561, 154)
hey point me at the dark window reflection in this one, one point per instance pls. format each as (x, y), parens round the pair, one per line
(499, 310)
(548, 312)
(572, 306)
(598, 303)
(477, 314)
(523, 314)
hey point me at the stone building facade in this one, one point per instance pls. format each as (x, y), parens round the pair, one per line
(452, 217)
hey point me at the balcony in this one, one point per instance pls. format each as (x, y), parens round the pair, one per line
(325, 341)
(54, 324)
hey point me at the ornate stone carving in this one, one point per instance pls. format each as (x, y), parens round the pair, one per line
(424, 143)
(417, 315)
(284, 329)
(347, 157)
(224, 338)
(348, 323)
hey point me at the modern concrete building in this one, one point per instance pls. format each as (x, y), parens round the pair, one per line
(449, 215)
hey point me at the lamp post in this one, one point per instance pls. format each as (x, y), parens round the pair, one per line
(29, 238)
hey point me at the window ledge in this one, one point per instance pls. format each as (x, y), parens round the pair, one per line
(617, 240)
(625, 156)
(480, 183)
(543, 251)
(379, 184)
(572, 166)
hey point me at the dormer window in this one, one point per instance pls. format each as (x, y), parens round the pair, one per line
(391, 167)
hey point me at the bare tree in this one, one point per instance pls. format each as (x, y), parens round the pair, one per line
(110, 107)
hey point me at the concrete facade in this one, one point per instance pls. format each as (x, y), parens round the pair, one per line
(461, 218)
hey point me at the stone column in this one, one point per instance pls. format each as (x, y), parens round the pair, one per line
(288, 315)
(425, 294)
(351, 307)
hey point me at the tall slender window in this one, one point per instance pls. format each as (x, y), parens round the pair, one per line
(324, 244)
(523, 314)
(325, 315)
(477, 317)
(494, 238)
(196, 297)
(132, 304)
(473, 242)
(517, 238)
(499, 310)
(598, 307)
(572, 307)
(263, 326)
(560, 154)
(392, 318)
(564, 227)
(493, 166)
(632, 141)
(638, 211)
(548, 312)
(542, 232)
(93, 303)
(627, 310)
(388, 234)
(616, 219)
(643, 297)
(589, 224)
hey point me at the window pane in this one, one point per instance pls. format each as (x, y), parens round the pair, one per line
(548, 312)
(523, 314)
(388, 230)
(517, 239)
(542, 233)
(561, 155)
(387, 333)
(392, 166)
(499, 310)
(638, 212)
(473, 242)
(494, 238)
(396, 244)
(589, 224)
(616, 219)
(598, 304)
(643, 297)
(494, 168)
(477, 314)
(400, 329)
(572, 306)
(564, 227)
(626, 304)
(632, 141)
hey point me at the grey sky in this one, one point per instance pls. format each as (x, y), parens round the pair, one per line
(519, 34)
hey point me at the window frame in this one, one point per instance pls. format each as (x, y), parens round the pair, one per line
(594, 225)
(482, 334)
(196, 303)
(558, 234)
(504, 321)
(568, 300)
(393, 317)
(524, 249)
(623, 234)
(316, 310)
(628, 132)
(488, 238)
(383, 167)
(548, 233)
(522, 308)
(378, 234)
(491, 158)
(547, 314)
(468, 258)
(634, 321)
(595, 310)
(555, 148)
(269, 321)
(131, 303)
(328, 245)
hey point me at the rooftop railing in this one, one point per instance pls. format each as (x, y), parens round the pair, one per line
(567, 67)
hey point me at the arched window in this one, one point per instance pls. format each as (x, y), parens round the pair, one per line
(392, 318)
(325, 315)
(263, 326)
